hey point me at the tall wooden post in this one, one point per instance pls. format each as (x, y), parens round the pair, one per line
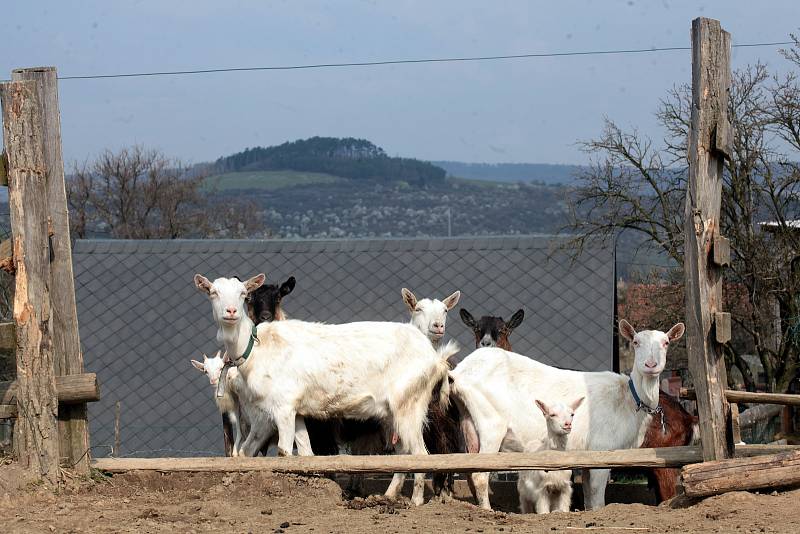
(709, 140)
(68, 359)
(36, 431)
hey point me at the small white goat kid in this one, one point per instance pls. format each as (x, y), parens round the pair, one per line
(430, 315)
(549, 491)
(497, 386)
(228, 403)
(382, 370)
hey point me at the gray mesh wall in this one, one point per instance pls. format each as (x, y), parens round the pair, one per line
(141, 318)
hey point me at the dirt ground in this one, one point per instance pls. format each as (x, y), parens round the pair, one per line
(265, 502)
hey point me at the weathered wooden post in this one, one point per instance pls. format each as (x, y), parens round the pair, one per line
(705, 251)
(68, 359)
(36, 431)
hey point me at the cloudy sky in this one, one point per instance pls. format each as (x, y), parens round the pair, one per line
(527, 110)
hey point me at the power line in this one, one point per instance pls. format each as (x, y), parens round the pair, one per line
(408, 61)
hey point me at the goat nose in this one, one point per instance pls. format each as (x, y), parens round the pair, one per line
(650, 364)
(231, 310)
(486, 342)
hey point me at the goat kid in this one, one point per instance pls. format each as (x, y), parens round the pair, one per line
(494, 385)
(228, 403)
(381, 370)
(549, 491)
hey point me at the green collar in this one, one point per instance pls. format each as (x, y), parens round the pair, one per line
(253, 339)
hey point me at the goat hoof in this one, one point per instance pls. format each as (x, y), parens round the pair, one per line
(282, 452)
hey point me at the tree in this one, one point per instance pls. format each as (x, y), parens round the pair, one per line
(635, 185)
(137, 193)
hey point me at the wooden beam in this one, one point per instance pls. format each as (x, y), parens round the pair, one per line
(709, 139)
(68, 358)
(771, 471)
(722, 251)
(8, 337)
(749, 397)
(463, 463)
(70, 389)
(35, 434)
(746, 451)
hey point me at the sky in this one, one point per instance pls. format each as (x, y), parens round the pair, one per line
(526, 110)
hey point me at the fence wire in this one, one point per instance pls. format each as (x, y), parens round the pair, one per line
(141, 318)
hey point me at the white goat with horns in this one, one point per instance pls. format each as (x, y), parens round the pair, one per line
(382, 370)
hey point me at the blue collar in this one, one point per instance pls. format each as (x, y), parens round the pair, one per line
(647, 409)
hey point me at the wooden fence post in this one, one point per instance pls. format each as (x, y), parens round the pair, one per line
(68, 359)
(36, 429)
(708, 144)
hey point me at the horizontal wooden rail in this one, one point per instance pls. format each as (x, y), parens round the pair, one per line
(70, 389)
(404, 463)
(463, 463)
(771, 471)
(750, 397)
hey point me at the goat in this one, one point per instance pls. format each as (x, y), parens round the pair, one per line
(265, 301)
(494, 385)
(442, 434)
(491, 331)
(680, 428)
(228, 403)
(294, 369)
(549, 491)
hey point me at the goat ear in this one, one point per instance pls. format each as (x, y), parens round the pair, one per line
(255, 282)
(676, 332)
(288, 286)
(542, 406)
(467, 318)
(202, 283)
(577, 403)
(409, 299)
(199, 366)
(626, 330)
(515, 320)
(451, 301)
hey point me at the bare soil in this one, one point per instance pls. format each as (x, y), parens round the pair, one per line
(265, 502)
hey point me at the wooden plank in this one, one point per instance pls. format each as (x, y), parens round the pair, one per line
(771, 471)
(710, 86)
(746, 451)
(750, 397)
(663, 457)
(70, 389)
(722, 327)
(722, 251)
(8, 339)
(36, 430)
(68, 358)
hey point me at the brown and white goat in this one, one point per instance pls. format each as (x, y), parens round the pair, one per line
(492, 331)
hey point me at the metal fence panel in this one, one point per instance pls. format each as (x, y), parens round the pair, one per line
(141, 318)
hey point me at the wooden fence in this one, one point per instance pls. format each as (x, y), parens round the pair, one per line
(48, 398)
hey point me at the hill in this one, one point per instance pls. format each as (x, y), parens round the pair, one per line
(512, 172)
(266, 180)
(357, 159)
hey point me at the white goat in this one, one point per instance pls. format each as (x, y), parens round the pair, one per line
(496, 386)
(228, 403)
(380, 370)
(430, 315)
(549, 491)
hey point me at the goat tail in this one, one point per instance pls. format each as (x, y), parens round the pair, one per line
(445, 352)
